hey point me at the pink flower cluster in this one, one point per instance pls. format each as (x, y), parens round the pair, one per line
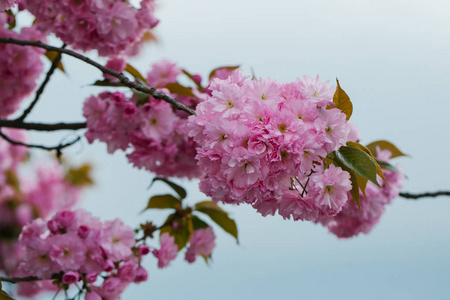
(157, 135)
(7, 4)
(20, 67)
(202, 242)
(23, 199)
(110, 26)
(261, 142)
(352, 221)
(80, 247)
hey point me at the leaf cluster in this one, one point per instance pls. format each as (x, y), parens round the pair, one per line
(358, 160)
(184, 220)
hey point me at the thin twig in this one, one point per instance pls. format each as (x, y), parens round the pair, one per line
(20, 279)
(424, 195)
(123, 79)
(40, 126)
(39, 92)
(57, 148)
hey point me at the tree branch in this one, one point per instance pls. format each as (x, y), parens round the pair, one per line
(424, 195)
(123, 79)
(39, 92)
(40, 126)
(57, 148)
(20, 279)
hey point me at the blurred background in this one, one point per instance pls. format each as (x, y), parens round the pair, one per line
(390, 56)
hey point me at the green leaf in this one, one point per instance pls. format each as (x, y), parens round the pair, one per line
(181, 235)
(108, 83)
(219, 216)
(358, 162)
(180, 191)
(229, 68)
(136, 74)
(385, 145)
(51, 55)
(342, 101)
(176, 88)
(387, 166)
(198, 223)
(372, 158)
(163, 202)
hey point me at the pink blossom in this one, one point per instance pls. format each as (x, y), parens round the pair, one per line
(254, 136)
(20, 67)
(167, 252)
(154, 135)
(201, 243)
(116, 63)
(117, 240)
(91, 277)
(112, 288)
(111, 27)
(143, 250)
(141, 275)
(162, 73)
(7, 4)
(67, 251)
(352, 220)
(127, 271)
(71, 277)
(92, 296)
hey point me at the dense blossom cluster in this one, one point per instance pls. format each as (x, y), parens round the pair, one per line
(153, 131)
(73, 246)
(24, 198)
(20, 67)
(352, 221)
(110, 26)
(263, 142)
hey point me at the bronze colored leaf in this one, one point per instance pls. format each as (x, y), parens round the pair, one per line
(385, 145)
(342, 101)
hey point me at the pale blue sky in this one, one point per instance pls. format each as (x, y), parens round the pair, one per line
(392, 59)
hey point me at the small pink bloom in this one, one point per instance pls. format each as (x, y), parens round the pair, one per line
(168, 250)
(141, 275)
(143, 250)
(83, 231)
(71, 277)
(64, 218)
(127, 271)
(108, 265)
(201, 243)
(91, 277)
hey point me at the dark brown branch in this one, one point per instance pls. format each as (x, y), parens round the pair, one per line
(20, 279)
(39, 92)
(57, 148)
(424, 195)
(41, 127)
(123, 79)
